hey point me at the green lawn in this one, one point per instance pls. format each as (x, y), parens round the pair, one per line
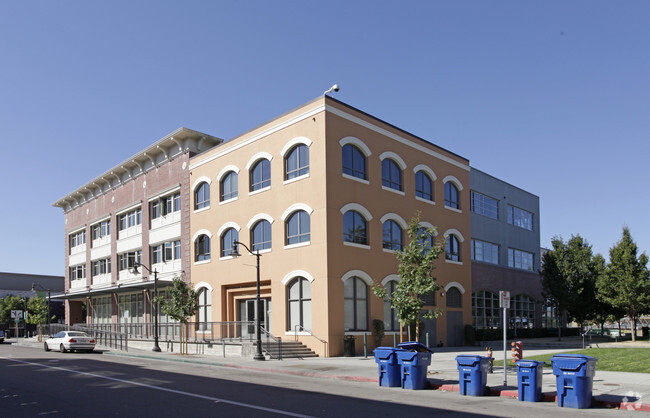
(610, 359)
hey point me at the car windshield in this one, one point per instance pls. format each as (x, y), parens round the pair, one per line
(77, 334)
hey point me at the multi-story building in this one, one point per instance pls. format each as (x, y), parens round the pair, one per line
(138, 211)
(325, 193)
(505, 252)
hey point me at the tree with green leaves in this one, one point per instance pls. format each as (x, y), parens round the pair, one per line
(416, 266)
(625, 283)
(181, 304)
(37, 308)
(10, 303)
(569, 274)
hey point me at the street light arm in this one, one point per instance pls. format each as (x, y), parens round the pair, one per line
(135, 268)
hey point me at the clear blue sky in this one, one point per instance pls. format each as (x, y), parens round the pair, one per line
(551, 96)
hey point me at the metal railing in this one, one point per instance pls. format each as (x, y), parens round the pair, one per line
(269, 341)
(302, 329)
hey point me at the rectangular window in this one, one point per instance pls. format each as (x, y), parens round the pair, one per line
(520, 259)
(78, 272)
(78, 238)
(101, 229)
(156, 254)
(130, 219)
(485, 252)
(485, 205)
(101, 267)
(519, 217)
(127, 260)
(177, 202)
(177, 250)
(155, 209)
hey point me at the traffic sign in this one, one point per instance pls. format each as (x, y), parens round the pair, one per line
(504, 299)
(16, 314)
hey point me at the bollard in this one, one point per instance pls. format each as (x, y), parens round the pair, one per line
(394, 340)
(427, 339)
(365, 345)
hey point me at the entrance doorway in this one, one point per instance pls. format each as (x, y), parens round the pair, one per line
(246, 312)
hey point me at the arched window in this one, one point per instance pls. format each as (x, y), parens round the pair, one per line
(391, 323)
(204, 314)
(297, 162)
(299, 301)
(451, 195)
(261, 235)
(522, 312)
(485, 310)
(202, 248)
(425, 239)
(260, 175)
(354, 162)
(355, 304)
(423, 186)
(228, 186)
(454, 298)
(392, 235)
(355, 228)
(391, 174)
(202, 196)
(452, 248)
(227, 238)
(298, 228)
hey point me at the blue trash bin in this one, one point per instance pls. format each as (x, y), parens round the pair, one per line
(529, 380)
(575, 379)
(413, 360)
(388, 367)
(472, 374)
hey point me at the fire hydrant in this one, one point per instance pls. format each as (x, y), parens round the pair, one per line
(489, 354)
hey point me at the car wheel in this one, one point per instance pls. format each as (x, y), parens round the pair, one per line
(90, 350)
(62, 349)
(46, 347)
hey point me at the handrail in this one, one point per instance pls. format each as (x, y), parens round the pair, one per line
(278, 340)
(310, 333)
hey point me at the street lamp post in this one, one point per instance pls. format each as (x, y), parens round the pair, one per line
(34, 286)
(258, 324)
(156, 347)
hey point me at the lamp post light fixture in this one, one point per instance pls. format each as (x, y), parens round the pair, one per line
(134, 270)
(34, 286)
(258, 324)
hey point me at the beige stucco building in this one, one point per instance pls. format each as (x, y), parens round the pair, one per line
(325, 192)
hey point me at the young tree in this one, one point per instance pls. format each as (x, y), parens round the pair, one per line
(569, 275)
(625, 283)
(416, 265)
(37, 308)
(182, 304)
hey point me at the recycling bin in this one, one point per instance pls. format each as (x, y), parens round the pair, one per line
(472, 374)
(388, 366)
(529, 380)
(414, 358)
(575, 379)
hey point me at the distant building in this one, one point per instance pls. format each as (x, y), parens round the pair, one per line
(505, 249)
(19, 284)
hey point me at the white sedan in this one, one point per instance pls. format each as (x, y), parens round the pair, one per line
(66, 341)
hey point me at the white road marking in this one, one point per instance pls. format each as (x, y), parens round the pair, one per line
(178, 392)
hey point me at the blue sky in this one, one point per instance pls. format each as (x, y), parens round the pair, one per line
(551, 96)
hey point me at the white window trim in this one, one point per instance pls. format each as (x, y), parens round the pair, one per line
(390, 189)
(202, 209)
(227, 169)
(196, 263)
(300, 244)
(347, 176)
(426, 169)
(227, 226)
(201, 232)
(458, 263)
(453, 209)
(453, 231)
(358, 208)
(456, 285)
(200, 180)
(295, 179)
(232, 199)
(390, 278)
(431, 202)
(428, 225)
(295, 207)
(356, 245)
(202, 285)
(358, 273)
(254, 192)
(454, 180)
(297, 273)
(295, 141)
(395, 217)
(257, 157)
(356, 141)
(391, 155)
(259, 217)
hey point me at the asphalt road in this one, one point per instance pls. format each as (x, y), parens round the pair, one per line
(33, 382)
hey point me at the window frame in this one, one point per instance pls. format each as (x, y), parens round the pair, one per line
(355, 238)
(392, 244)
(202, 196)
(389, 169)
(299, 152)
(356, 156)
(301, 237)
(264, 182)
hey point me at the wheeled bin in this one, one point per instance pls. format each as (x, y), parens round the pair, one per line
(529, 380)
(414, 358)
(472, 374)
(575, 379)
(388, 366)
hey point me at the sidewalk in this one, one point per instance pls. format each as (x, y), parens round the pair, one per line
(629, 391)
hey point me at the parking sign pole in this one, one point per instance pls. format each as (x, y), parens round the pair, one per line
(504, 303)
